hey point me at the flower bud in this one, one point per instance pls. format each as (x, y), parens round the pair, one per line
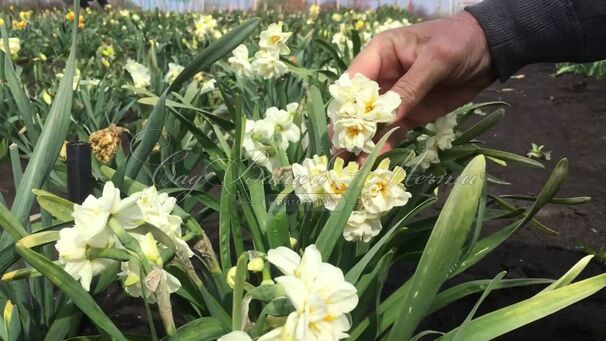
(231, 277)
(256, 264)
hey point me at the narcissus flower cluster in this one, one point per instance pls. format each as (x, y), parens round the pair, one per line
(93, 230)
(263, 137)
(356, 109)
(383, 190)
(321, 297)
(206, 26)
(267, 63)
(443, 135)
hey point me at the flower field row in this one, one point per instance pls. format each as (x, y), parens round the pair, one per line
(256, 122)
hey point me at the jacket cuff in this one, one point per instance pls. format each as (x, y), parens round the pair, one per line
(523, 32)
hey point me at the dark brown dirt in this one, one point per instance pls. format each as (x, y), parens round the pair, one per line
(568, 116)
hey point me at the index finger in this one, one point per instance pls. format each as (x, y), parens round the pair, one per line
(367, 62)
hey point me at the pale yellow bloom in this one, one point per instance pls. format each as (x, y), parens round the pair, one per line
(321, 296)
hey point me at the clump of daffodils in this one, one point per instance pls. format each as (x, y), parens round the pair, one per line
(70, 16)
(314, 11)
(388, 24)
(14, 46)
(92, 231)
(105, 142)
(266, 63)
(106, 54)
(341, 39)
(139, 73)
(206, 26)
(277, 130)
(383, 190)
(443, 135)
(356, 109)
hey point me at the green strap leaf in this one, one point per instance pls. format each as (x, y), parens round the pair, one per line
(318, 130)
(499, 322)
(203, 329)
(445, 247)
(51, 139)
(58, 207)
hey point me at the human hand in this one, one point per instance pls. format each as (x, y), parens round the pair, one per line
(435, 67)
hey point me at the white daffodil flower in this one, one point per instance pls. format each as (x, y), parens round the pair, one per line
(384, 190)
(258, 143)
(444, 134)
(239, 61)
(443, 128)
(131, 271)
(14, 46)
(205, 26)
(236, 335)
(377, 108)
(284, 125)
(208, 85)
(337, 182)
(267, 64)
(273, 39)
(309, 178)
(356, 109)
(354, 134)
(173, 71)
(156, 209)
(314, 10)
(362, 226)
(139, 73)
(92, 217)
(72, 254)
(319, 293)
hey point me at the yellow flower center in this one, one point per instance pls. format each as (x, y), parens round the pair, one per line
(338, 188)
(275, 39)
(370, 106)
(353, 130)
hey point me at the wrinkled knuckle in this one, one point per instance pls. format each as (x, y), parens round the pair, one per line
(438, 52)
(406, 90)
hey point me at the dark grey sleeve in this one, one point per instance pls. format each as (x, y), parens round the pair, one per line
(523, 32)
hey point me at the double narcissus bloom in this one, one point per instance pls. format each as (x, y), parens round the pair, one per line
(139, 73)
(321, 296)
(314, 11)
(356, 109)
(173, 71)
(276, 130)
(72, 250)
(206, 26)
(239, 61)
(92, 230)
(272, 43)
(14, 46)
(273, 39)
(443, 129)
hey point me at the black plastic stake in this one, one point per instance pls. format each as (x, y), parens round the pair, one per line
(79, 173)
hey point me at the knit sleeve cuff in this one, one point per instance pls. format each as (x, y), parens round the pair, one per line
(523, 32)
